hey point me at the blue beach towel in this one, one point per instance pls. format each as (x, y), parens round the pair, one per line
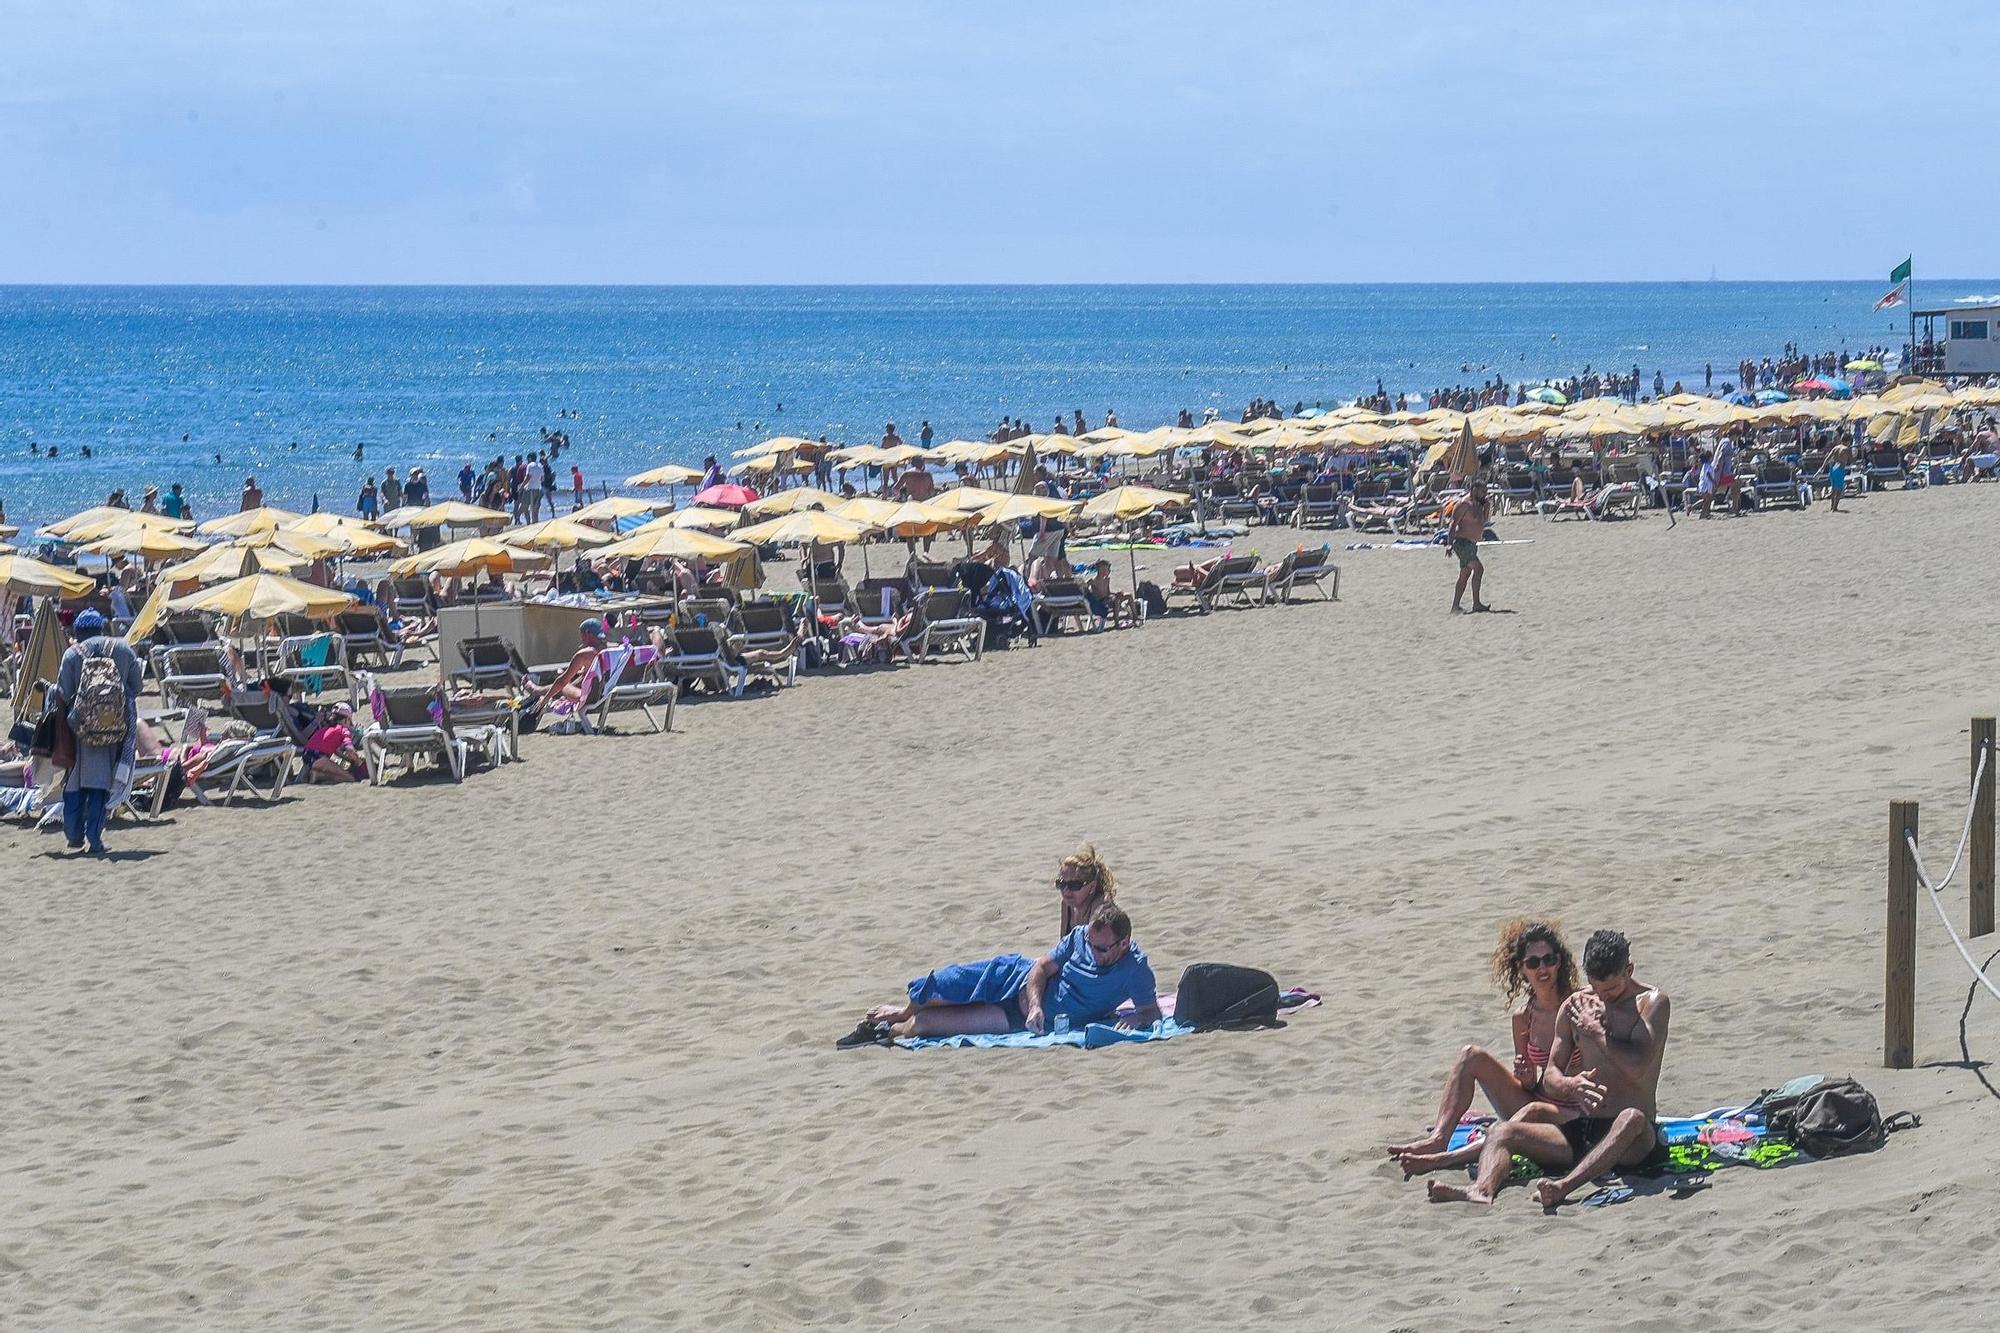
(1090, 1037)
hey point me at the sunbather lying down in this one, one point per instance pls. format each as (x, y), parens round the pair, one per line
(1191, 576)
(1084, 979)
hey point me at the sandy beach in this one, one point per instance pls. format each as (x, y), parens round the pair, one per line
(553, 1048)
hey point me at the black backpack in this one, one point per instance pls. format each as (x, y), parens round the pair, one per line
(1152, 599)
(1832, 1118)
(1214, 995)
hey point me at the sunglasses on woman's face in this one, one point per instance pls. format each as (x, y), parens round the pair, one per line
(1540, 960)
(1066, 884)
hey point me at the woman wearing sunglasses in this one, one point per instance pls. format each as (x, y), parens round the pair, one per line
(946, 1001)
(1532, 958)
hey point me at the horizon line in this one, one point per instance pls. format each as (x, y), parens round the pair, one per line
(837, 286)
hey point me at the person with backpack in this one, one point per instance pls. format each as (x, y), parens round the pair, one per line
(97, 688)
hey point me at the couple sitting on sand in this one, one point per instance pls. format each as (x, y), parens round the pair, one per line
(1581, 1096)
(1093, 969)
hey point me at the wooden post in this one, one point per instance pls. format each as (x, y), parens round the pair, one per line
(1980, 907)
(1899, 995)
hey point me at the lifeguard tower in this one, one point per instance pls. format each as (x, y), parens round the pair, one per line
(1969, 345)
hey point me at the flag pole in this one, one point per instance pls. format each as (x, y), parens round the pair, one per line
(1910, 299)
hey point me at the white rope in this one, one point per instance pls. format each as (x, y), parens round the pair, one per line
(1910, 841)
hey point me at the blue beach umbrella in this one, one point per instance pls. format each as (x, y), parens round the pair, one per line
(1545, 394)
(1740, 398)
(1840, 388)
(1773, 396)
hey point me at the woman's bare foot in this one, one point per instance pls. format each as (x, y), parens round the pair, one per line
(1423, 1163)
(1429, 1143)
(1549, 1191)
(1440, 1192)
(889, 1013)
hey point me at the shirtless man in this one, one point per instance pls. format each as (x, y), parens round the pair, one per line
(571, 684)
(1467, 516)
(1620, 1026)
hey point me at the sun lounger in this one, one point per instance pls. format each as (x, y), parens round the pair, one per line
(295, 661)
(1882, 466)
(367, 633)
(405, 724)
(1308, 569)
(1517, 492)
(1060, 599)
(942, 621)
(1234, 576)
(412, 597)
(1778, 484)
(490, 662)
(233, 765)
(1318, 503)
(697, 653)
(628, 677)
(192, 674)
(929, 576)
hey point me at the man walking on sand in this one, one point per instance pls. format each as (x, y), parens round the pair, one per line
(1467, 519)
(1619, 1027)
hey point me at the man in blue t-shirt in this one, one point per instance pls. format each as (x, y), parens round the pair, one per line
(1095, 969)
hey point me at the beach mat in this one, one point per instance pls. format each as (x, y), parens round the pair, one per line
(1095, 1036)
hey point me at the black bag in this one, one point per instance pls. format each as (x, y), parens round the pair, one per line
(1832, 1118)
(1214, 995)
(1152, 599)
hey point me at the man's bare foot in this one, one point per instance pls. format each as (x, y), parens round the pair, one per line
(888, 1013)
(1457, 610)
(1549, 1191)
(1440, 1192)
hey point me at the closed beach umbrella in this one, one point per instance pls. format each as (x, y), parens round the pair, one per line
(263, 596)
(786, 501)
(675, 543)
(1461, 458)
(41, 659)
(262, 519)
(23, 574)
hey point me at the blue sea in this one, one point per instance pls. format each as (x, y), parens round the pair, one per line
(284, 382)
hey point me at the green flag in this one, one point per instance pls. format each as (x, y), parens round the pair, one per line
(1901, 272)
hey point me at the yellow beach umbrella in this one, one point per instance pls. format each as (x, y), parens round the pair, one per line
(556, 534)
(777, 444)
(978, 452)
(612, 508)
(350, 535)
(263, 596)
(922, 518)
(219, 564)
(868, 510)
(1594, 426)
(452, 514)
(802, 526)
(23, 574)
(701, 518)
(264, 518)
(146, 543)
(790, 499)
(149, 615)
(472, 555)
(399, 517)
(120, 521)
(861, 455)
(305, 545)
(1017, 507)
(1130, 502)
(5, 549)
(969, 497)
(1107, 435)
(671, 474)
(676, 543)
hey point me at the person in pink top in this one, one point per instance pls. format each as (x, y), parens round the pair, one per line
(330, 749)
(1532, 958)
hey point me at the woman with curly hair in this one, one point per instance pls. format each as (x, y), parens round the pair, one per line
(1532, 958)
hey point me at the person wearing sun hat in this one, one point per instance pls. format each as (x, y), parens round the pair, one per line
(102, 773)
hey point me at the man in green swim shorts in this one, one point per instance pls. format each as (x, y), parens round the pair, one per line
(1466, 517)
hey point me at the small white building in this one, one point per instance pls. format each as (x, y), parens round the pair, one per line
(1963, 339)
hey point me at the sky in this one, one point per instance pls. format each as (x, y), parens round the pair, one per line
(895, 141)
